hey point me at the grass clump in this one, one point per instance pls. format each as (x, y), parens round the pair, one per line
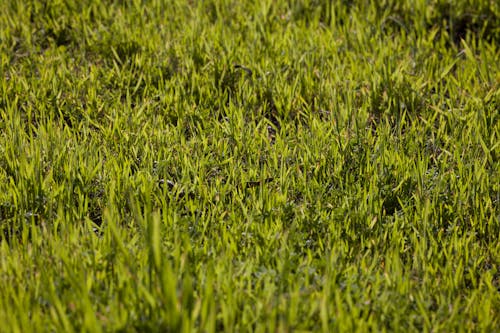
(240, 166)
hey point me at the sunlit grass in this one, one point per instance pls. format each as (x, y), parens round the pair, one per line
(237, 166)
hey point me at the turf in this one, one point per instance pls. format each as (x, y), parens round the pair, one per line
(237, 166)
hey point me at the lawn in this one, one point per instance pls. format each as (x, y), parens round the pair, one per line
(237, 166)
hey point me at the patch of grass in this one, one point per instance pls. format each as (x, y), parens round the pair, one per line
(249, 166)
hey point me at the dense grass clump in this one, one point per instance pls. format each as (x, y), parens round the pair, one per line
(261, 166)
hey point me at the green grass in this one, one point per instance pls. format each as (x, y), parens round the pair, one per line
(264, 166)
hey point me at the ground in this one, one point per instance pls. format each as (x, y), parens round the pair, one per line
(249, 166)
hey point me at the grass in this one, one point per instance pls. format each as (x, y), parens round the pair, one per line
(264, 166)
